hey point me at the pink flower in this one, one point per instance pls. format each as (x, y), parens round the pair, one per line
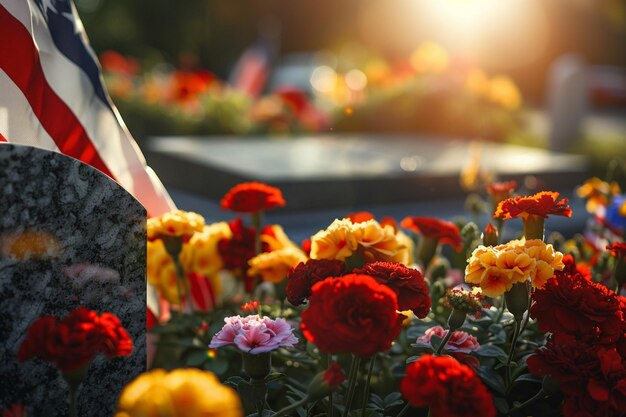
(460, 342)
(254, 334)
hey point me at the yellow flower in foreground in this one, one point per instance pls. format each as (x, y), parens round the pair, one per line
(274, 266)
(180, 393)
(497, 268)
(504, 92)
(343, 238)
(175, 223)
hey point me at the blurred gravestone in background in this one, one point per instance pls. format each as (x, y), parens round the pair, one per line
(69, 236)
(567, 101)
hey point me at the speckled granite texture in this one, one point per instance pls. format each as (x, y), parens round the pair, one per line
(69, 236)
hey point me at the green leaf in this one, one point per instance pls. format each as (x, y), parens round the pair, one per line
(435, 341)
(216, 366)
(196, 358)
(274, 376)
(529, 378)
(492, 379)
(490, 351)
(501, 404)
(393, 399)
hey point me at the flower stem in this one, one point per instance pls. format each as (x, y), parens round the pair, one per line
(444, 342)
(516, 334)
(285, 411)
(404, 410)
(182, 287)
(528, 402)
(366, 392)
(256, 219)
(354, 371)
(331, 411)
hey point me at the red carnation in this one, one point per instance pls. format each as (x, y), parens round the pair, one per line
(352, 314)
(407, 283)
(593, 380)
(574, 305)
(305, 275)
(74, 342)
(445, 232)
(252, 197)
(618, 250)
(541, 204)
(236, 251)
(448, 387)
(501, 190)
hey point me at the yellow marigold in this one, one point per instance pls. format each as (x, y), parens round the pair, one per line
(497, 268)
(379, 243)
(176, 223)
(275, 238)
(161, 271)
(547, 260)
(597, 193)
(180, 393)
(336, 242)
(504, 92)
(343, 238)
(274, 266)
(199, 254)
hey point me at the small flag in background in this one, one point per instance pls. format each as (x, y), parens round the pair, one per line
(54, 97)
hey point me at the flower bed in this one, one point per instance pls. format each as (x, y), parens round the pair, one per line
(368, 319)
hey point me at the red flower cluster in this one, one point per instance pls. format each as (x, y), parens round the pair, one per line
(449, 388)
(407, 283)
(75, 341)
(586, 352)
(572, 304)
(592, 379)
(352, 314)
(541, 204)
(305, 275)
(445, 232)
(252, 197)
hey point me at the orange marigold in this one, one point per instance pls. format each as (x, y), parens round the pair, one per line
(541, 204)
(252, 197)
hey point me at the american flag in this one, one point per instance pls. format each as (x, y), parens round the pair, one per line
(52, 96)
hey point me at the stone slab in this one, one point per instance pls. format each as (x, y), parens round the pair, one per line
(92, 254)
(345, 170)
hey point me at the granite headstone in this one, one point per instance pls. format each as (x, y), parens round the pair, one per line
(69, 236)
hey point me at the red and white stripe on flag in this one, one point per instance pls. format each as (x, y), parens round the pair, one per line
(52, 96)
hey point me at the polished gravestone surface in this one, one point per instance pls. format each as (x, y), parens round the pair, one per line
(346, 170)
(69, 236)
